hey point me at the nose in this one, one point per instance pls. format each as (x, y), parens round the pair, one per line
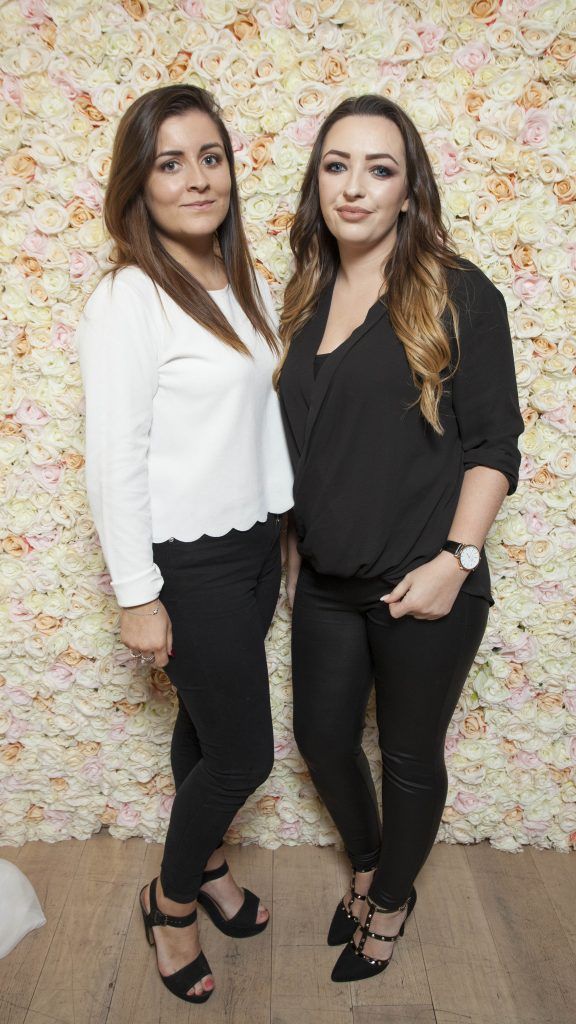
(353, 188)
(197, 180)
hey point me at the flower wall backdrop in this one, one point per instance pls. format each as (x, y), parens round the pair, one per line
(85, 737)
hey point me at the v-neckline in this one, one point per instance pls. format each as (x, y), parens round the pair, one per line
(323, 312)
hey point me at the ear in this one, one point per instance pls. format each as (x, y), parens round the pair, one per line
(404, 206)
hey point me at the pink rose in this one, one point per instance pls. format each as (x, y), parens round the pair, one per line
(571, 248)
(34, 11)
(48, 475)
(549, 593)
(278, 11)
(527, 468)
(82, 265)
(17, 728)
(562, 418)
(282, 749)
(450, 164)
(193, 8)
(451, 744)
(30, 414)
(289, 830)
(536, 128)
(304, 131)
(239, 142)
(19, 696)
(524, 649)
(128, 816)
(36, 245)
(55, 817)
(528, 286)
(91, 193)
(65, 84)
(519, 696)
(397, 72)
(103, 583)
(535, 523)
(18, 612)
(44, 541)
(12, 90)
(472, 56)
(61, 676)
(62, 337)
(536, 828)
(464, 803)
(430, 35)
(165, 807)
(525, 759)
(92, 770)
(118, 733)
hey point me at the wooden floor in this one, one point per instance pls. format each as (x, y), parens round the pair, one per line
(492, 941)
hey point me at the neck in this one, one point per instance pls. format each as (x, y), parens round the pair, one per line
(197, 257)
(364, 266)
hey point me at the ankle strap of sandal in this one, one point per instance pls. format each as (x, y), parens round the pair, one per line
(211, 876)
(159, 918)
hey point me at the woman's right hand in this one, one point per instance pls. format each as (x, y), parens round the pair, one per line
(147, 634)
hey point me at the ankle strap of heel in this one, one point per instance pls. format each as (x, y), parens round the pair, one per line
(211, 876)
(159, 918)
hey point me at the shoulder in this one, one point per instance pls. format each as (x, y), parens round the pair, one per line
(471, 289)
(118, 291)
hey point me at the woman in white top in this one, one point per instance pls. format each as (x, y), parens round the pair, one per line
(188, 475)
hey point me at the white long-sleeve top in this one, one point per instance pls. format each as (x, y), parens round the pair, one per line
(183, 433)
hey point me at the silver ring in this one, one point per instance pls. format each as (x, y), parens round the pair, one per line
(146, 661)
(135, 654)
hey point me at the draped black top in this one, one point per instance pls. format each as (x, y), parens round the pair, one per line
(375, 487)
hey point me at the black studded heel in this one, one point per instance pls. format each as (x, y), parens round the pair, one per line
(189, 975)
(243, 924)
(344, 923)
(353, 964)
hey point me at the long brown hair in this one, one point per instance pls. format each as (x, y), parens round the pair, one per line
(415, 275)
(132, 229)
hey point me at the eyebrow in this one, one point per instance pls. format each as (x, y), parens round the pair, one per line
(369, 156)
(180, 152)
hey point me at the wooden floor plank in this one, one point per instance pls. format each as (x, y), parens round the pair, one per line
(80, 969)
(307, 888)
(395, 1015)
(558, 874)
(10, 1013)
(50, 868)
(107, 859)
(302, 990)
(527, 935)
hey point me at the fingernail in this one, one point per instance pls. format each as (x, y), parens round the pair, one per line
(170, 654)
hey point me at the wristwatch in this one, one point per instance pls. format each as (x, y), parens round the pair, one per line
(467, 555)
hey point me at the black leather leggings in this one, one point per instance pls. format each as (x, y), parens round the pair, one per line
(344, 638)
(220, 593)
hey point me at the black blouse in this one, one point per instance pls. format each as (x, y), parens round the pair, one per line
(375, 488)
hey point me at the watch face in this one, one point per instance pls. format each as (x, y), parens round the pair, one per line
(469, 557)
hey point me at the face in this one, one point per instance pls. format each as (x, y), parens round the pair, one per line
(188, 189)
(362, 182)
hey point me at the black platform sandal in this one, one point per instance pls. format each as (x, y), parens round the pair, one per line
(189, 975)
(243, 924)
(344, 923)
(353, 964)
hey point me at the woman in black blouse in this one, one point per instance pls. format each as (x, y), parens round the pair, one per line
(401, 411)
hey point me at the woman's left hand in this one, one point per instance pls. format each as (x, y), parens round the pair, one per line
(429, 591)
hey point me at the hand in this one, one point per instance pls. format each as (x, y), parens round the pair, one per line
(429, 591)
(149, 634)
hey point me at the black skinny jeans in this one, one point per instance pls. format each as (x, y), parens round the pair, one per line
(220, 593)
(343, 638)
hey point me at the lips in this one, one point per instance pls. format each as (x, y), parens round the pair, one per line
(352, 212)
(199, 206)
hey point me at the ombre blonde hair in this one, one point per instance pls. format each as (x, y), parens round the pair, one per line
(415, 279)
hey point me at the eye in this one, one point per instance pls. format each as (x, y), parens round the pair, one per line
(381, 171)
(212, 160)
(170, 166)
(334, 167)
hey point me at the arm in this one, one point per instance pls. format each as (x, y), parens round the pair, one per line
(485, 403)
(118, 360)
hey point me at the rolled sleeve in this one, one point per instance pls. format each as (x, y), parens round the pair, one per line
(484, 391)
